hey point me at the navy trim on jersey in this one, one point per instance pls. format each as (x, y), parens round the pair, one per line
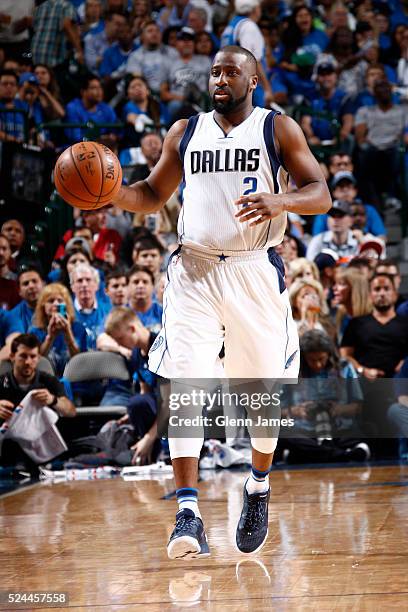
(187, 136)
(270, 147)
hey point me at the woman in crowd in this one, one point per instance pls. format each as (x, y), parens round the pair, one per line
(304, 269)
(140, 112)
(309, 306)
(54, 324)
(301, 34)
(49, 93)
(351, 297)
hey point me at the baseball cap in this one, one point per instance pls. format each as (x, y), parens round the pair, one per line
(343, 175)
(186, 34)
(374, 244)
(326, 68)
(28, 77)
(78, 241)
(303, 58)
(339, 206)
(243, 7)
(326, 259)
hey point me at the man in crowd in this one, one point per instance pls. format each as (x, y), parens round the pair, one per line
(23, 378)
(378, 132)
(339, 238)
(140, 296)
(54, 25)
(30, 285)
(148, 253)
(151, 146)
(90, 107)
(116, 288)
(151, 60)
(328, 99)
(344, 187)
(115, 57)
(11, 123)
(5, 256)
(377, 343)
(186, 78)
(15, 232)
(391, 268)
(96, 43)
(84, 285)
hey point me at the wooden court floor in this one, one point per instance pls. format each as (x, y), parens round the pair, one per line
(338, 541)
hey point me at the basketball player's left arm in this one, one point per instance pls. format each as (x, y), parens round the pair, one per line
(312, 196)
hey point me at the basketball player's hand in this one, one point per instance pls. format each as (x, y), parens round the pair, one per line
(258, 208)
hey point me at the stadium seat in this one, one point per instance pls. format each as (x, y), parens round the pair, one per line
(97, 366)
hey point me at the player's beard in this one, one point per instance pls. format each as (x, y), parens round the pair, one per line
(224, 108)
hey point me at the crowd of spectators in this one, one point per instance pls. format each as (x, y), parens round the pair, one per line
(134, 67)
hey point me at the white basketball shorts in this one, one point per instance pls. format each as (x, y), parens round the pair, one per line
(239, 300)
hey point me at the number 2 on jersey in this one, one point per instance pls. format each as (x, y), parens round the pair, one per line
(252, 183)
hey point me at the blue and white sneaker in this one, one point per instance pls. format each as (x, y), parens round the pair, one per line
(188, 539)
(252, 529)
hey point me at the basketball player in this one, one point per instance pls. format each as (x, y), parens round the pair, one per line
(234, 162)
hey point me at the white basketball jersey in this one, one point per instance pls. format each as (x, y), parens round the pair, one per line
(218, 169)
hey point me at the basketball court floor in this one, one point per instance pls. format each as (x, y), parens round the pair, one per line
(337, 542)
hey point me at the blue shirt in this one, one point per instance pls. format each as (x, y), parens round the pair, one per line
(336, 105)
(113, 58)
(94, 322)
(13, 123)
(59, 354)
(292, 84)
(77, 113)
(374, 225)
(152, 318)
(19, 319)
(315, 42)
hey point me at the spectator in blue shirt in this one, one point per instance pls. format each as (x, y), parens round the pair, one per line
(12, 124)
(115, 57)
(90, 107)
(329, 100)
(29, 92)
(301, 34)
(91, 313)
(30, 285)
(375, 72)
(140, 295)
(288, 84)
(140, 113)
(96, 42)
(344, 187)
(54, 325)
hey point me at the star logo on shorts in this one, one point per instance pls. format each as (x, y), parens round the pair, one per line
(222, 257)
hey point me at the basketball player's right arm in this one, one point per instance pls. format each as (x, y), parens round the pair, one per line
(150, 195)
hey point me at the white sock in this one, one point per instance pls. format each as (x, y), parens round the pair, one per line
(258, 482)
(188, 498)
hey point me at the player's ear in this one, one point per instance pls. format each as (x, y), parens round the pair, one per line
(253, 82)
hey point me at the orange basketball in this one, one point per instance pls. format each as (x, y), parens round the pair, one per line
(88, 175)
